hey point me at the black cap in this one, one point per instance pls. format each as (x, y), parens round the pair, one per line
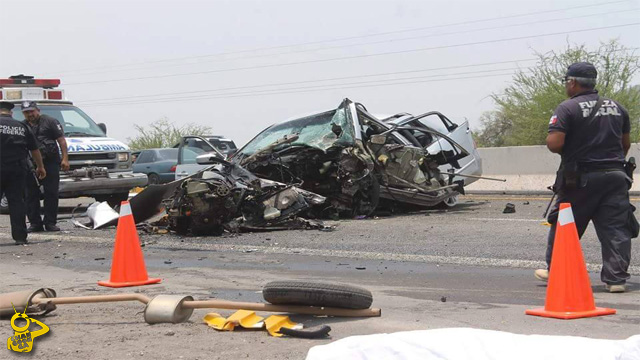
(582, 70)
(5, 105)
(29, 105)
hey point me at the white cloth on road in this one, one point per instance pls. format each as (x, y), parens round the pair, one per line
(476, 344)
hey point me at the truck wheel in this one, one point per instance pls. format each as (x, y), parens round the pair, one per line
(153, 179)
(4, 205)
(114, 199)
(317, 294)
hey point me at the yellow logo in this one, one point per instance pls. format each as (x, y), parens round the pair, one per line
(22, 340)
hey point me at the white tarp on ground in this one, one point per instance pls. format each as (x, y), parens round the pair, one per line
(476, 344)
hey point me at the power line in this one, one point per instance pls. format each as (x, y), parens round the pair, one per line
(313, 81)
(357, 56)
(319, 86)
(371, 42)
(289, 91)
(572, 8)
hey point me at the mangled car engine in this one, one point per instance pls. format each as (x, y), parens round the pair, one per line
(227, 197)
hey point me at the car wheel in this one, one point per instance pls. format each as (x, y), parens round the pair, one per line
(4, 205)
(317, 294)
(450, 202)
(153, 179)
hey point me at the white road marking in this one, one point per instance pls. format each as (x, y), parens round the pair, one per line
(435, 259)
(507, 219)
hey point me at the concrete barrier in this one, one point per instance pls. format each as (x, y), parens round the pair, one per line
(527, 169)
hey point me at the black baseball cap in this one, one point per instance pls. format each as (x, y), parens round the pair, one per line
(29, 105)
(582, 70)
(6, 105)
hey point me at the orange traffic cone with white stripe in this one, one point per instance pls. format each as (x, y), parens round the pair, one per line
(127, 266)
(569, 294)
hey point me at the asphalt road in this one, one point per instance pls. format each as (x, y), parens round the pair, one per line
(471, 266)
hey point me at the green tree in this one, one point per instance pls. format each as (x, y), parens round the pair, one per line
(162, 133)
(529, 102)
(496, 129)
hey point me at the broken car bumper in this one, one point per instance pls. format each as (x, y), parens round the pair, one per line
(114, 183)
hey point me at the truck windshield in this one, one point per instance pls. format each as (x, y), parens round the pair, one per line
(73, 120)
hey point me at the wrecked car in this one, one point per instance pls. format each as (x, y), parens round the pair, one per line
(470, 169)
(228, 197)
(355, 160)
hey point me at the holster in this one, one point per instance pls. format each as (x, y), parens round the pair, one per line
(568, 177)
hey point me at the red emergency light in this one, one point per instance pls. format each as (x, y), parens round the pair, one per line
(54, 94)
(29, 81)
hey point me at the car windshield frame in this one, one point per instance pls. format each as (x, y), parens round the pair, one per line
(313, 131)
(55, 111)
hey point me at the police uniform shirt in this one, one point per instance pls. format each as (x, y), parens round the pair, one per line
(603, 144)
(46, 131)
(16, 139)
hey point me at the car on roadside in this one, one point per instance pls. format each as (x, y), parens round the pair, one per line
(158, 164)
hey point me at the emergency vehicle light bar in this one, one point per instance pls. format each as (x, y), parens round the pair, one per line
(26, 82)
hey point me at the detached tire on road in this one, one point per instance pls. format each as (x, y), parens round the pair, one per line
(317, 294)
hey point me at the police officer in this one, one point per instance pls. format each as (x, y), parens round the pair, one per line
(592, 136)
(50, 136)
(16, 140)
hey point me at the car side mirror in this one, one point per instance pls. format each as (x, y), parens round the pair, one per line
(209, 159)
(103, 127)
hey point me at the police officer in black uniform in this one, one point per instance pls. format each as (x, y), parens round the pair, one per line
(592, 176)
(16, 140)
(50, 135)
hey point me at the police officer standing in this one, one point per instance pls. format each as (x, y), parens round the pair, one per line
(16, 140)
(591, 134)
(50, 135)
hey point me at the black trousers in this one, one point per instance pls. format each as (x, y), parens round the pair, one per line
(603, 199)
(12, 183)
(51, 184)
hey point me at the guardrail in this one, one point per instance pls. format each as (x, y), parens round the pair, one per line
(528, 169)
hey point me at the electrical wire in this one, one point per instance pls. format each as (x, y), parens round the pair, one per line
(369, 43)
(357, 56)
(266, 91)
(250, 94)
(158, 95)
(311, 81)
(468, 22)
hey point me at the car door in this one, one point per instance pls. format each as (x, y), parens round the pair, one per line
(190, 148)
(469, 165)
(143, 162)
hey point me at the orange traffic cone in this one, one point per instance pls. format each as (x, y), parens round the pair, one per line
(569, 294)
(127, 266)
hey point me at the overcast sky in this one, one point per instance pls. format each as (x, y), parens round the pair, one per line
(132, 53)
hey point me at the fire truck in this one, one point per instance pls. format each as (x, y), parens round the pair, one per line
(100, 167)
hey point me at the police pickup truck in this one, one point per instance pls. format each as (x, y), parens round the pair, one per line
(100, 167)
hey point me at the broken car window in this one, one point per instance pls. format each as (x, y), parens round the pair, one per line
(321, 131)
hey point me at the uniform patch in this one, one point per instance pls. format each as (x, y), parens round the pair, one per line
(553, 120)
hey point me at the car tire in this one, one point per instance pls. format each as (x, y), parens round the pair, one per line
(450, 202)
(153, 178)
(317, 294)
